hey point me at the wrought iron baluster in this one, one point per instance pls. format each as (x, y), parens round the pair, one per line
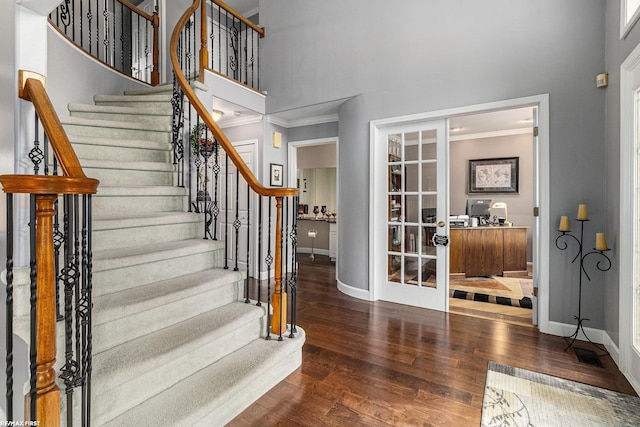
(146, 75)
(122, 38)
(293, 282)
(216, 176)
(81, 22)
(268, 261)
(283, 282)
(84, 309)
(258, 256)
(89, 19)
(248, 242)
(9, 310)
(236, 223)
(226, 212)
(33, 299)
(35, 154)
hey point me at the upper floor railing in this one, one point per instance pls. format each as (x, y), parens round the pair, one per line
(115, 32)
(229, 43)
(43, 400)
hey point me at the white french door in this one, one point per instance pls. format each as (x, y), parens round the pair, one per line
(411, 183)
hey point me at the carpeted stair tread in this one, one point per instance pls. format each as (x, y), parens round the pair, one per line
(134, 300)
(163, 110)
(126, 143)
(128, 165)
(162, 88)
(114, 124)
(114, 220)
(114, 258)
(159, 97)
(215, 391)
(141, 190)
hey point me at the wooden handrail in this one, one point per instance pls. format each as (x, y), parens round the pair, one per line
(232, 11)
(137, 10)
(210, 123)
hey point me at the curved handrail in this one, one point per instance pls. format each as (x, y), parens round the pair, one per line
(208, 120)
(232, 11)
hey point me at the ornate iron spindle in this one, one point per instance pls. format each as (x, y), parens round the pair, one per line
(33, 299)
(81, 23)
(9, 310)
(177, 126)
(268, 261)
(293, 280)
(147, 51)
(283, 282)
(236, 223)
(219, 39)
(69, 371)
(248, 243)
(84, 308)
(45, 146)
(35, 154)
(216, 176)
(259, 252)
(226, 213)
(89, 19)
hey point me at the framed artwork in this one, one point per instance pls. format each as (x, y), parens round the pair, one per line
(276, 175)
(494, 175)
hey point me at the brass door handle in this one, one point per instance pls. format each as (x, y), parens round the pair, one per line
(441, 224)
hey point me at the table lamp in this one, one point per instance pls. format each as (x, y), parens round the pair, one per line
(502, 205)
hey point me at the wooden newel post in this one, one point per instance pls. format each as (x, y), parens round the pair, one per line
(155, 72)
(47, 391)
(204, 53)
(279, 297)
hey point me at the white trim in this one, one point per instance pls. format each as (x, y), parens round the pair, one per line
(627, 25)
(628, 246)
(240, 121)
(613, 349)
(566, 329)
(540, 101)
(354, 292)
(307, 121)
(292, 156)
(492, 134)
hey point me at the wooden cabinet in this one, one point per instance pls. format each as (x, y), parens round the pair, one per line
(488, 251)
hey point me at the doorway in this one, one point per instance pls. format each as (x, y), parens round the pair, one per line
(313, 170)
(540, 185)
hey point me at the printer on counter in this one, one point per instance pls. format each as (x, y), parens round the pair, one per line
(459, 221)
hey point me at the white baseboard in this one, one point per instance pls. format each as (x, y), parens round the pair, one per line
(564, 329)
(612, 348)
(315, 251)
(354, 292)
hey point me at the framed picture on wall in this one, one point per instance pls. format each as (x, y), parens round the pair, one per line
(276, 175)
(494, 175)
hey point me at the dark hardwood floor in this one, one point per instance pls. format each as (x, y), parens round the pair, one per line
(384, 364)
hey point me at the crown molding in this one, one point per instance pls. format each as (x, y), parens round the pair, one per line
(240, 121)
(307, 121)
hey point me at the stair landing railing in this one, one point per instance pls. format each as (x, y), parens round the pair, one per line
(67, 185)
(115, 32)
(216, 176)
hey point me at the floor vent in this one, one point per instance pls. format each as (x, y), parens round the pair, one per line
(589, 357)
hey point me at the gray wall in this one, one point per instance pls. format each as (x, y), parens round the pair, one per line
(616, 52)
(437, 55)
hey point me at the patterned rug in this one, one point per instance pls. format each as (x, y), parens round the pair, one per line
(516, 397)
(513, 291)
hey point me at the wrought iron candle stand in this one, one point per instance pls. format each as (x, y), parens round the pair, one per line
(580, 256)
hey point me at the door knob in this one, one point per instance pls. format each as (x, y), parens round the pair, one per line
(441, 224)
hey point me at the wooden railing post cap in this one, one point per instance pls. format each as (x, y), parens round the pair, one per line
(23, 76)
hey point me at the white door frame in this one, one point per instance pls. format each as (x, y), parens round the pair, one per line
(293, 173)
(629, 215)
(541, 229)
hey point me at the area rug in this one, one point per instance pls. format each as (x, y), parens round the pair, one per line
(513, 291)
(516, 397)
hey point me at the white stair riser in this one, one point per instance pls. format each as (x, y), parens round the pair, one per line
(115, 332)
(132, 102)
(149, 234)
(157, 120)
(118, 279)
(128, 177)
(138, 204)
(138, 389)
(117, 133)
(101, 152)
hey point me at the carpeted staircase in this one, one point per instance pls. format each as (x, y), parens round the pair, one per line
(172, 342)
